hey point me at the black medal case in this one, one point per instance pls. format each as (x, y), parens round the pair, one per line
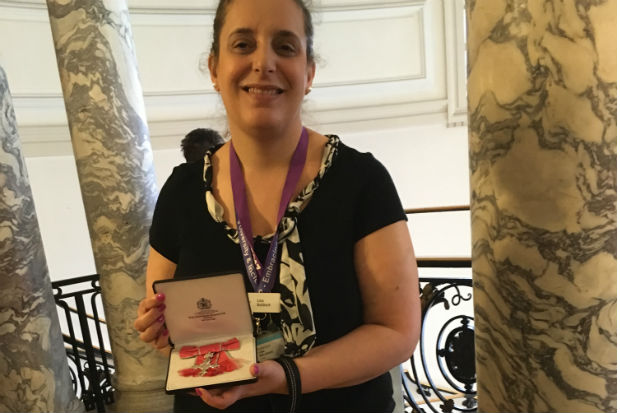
(205, 310)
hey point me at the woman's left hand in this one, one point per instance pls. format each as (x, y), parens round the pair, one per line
(271, 379)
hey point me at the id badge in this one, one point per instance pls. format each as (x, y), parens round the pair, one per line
(264, 302)
(269, 345)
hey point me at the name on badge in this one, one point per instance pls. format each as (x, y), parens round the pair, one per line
(264, 302)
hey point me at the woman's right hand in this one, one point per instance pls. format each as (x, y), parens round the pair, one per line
(150, 321)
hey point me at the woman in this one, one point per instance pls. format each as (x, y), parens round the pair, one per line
(343, 235)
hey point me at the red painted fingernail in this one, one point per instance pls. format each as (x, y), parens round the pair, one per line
(160, 297)
(255, 370)
(165, 333)
(198, 392)
(160, 319)
(161, 307)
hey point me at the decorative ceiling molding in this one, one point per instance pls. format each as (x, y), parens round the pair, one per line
(376, 86)
(348, 5)
(36, 109)
(380, 63)
(456, 70)
(388, 82)
(332, 15)
(209, 6)
(32, 4)
(195, 12)
(54, 140)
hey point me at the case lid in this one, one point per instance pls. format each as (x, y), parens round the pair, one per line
(203, 307)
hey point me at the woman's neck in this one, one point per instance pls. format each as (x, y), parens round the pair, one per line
(265, 149)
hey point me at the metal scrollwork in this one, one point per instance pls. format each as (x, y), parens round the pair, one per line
(458, 297)
(458, 353)
(443, 377)
(90, 364)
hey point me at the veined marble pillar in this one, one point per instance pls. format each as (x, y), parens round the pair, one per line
(34, 373)
(105, 109)
(542, 116)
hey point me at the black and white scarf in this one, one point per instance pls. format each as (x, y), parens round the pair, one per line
(296, 321)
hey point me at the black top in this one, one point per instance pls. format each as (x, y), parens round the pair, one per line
(355, 198)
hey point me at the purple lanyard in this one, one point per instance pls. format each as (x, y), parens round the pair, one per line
(262, 277)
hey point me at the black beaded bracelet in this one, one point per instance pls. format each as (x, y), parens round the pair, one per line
(293, 380)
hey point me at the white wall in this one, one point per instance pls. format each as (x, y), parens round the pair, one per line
(429, 165)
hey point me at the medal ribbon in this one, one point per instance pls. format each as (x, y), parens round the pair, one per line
(262, 276)
(193, 351)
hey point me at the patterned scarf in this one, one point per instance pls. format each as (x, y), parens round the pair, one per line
(296, 321)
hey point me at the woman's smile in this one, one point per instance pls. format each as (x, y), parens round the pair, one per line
(263, 90)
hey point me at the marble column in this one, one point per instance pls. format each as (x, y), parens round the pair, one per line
(34, 373)
(105, 109)
(542, 119)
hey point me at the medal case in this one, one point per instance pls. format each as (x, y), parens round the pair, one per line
(201, 312)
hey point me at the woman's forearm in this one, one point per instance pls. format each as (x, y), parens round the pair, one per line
(363, 354)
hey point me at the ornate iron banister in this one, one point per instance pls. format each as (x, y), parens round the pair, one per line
(91, 366)
(89, 316)
(441, 375)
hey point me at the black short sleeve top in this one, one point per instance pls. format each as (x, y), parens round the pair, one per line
(355, 197)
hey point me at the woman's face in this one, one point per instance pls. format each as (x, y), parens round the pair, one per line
(262, 71)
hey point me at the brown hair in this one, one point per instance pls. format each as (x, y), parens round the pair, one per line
(220, 16)
(196, 143)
